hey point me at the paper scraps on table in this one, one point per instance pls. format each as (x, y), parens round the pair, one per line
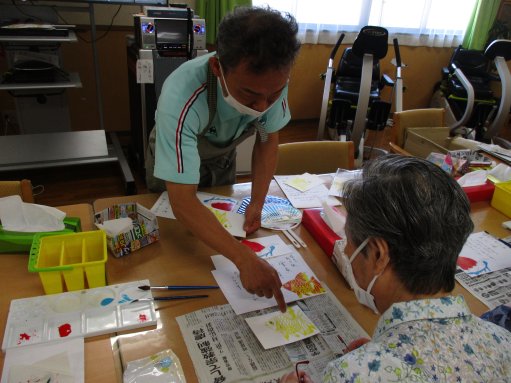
(267, 247)
(298, 282)
(223, 208)
(483, 253)
(277, 329)
(304, 181)
(61, 361)
(308, 199)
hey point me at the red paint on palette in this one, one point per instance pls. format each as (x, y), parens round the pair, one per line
(257, 247)
(142, 318)
(226, 206)
(65, 330)
(466, 263)
(23, 337)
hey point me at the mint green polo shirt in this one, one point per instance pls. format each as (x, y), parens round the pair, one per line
(183, 113)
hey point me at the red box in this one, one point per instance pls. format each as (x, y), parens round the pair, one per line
(320, 231)
(480, 192)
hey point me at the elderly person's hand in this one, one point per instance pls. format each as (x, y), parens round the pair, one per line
(292, 378)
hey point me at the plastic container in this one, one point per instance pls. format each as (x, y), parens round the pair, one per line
(21, 242)
(317, 227)
(69, 260)
(502, 198)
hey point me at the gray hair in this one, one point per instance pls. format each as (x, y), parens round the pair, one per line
(262, 36)
(419, 210)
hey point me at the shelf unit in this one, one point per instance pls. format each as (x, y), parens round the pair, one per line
(58, 148)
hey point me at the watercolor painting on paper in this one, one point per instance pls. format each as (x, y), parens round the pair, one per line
(298, 280)
(304, 182)
(267, 247)
(483, 253)
(277, 329)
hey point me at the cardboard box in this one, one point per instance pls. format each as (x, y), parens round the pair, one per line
(320, 231)
(145, 228)
(420, 142)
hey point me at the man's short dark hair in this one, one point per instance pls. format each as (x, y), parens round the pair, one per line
(419, 210)
(263, 37)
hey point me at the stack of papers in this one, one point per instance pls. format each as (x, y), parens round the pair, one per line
(305, 191)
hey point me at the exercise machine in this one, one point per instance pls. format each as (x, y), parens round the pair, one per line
(472, 109)
(354, 88)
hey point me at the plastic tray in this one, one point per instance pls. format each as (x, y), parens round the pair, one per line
(85, 313)
(70, 259)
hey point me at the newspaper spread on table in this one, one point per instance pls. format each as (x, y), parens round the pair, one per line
(224, 349)
(493, 289)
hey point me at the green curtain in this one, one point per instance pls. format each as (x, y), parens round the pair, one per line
(213, 11)
(482, 20)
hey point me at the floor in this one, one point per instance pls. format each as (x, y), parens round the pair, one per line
(84, 184)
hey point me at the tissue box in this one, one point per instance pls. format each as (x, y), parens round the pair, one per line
(502, 198)
(21, 242)
(320, 231)
(480, 192)
(145, 228)
(69, 258)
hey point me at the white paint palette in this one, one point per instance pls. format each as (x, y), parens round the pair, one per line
(84, 313)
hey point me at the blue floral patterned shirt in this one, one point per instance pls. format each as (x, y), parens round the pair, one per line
(428, 340)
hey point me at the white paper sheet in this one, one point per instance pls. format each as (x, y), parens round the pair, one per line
(483, 253)
(297, 279)
(267, 247)
(63, 359)
(224, 209)
(304, 182)
(277, 329)
(309, 199)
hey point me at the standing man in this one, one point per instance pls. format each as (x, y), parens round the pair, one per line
(207, 107)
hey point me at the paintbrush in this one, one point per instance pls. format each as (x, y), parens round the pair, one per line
(146, 287)
(170, 298)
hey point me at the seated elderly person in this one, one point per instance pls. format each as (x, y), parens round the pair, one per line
(406, 223)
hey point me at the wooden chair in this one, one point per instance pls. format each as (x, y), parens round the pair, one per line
(315, 157)
(415, 118)
(393, 148)
(22, 188)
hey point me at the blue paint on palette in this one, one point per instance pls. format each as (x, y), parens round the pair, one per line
(125, 298)
(106, 301)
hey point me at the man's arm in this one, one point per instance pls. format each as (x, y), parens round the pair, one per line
(264, 162)
(257, 276)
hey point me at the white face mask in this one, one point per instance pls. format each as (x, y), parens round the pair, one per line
(243, 109)
(363, 296)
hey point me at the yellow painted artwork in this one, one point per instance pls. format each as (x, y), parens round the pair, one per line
(302, 285)
(290, 324)
(221, 216)
(299, 183)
